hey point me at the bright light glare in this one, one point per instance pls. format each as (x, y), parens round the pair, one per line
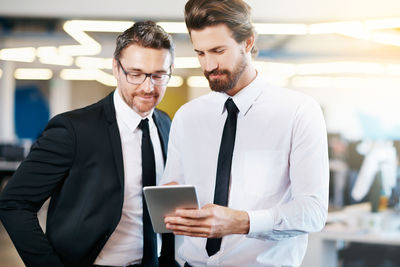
(23, 54)
(33, 74)
(175, 81)
(197, 81)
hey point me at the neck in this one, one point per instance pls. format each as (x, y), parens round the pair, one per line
(248, 75)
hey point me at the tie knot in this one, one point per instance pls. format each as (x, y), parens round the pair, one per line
(231, 107)
(144, 124)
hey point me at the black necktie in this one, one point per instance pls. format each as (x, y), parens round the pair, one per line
(224, 168)
(150, 258)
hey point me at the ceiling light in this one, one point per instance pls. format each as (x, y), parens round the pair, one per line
(88, 46)
(337, 27)
(174, 27)
(275, 28)
(106, 78)
(340, 67)
(94, 62)
(33, 74)
(50, 55)
(186, 63)
(362, 83)
(175, 81)
(197, 81)
(23, 54)
(79, 74)
(98, 25)
(389, 38)
(381, 24)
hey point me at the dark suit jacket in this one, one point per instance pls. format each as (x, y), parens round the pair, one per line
(77, 161)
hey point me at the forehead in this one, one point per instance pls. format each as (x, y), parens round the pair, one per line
(145, 59)
(212, 36)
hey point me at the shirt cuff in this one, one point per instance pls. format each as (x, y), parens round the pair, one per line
(261, 221)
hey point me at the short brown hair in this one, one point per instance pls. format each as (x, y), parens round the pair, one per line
(146, 34)
(235, 14)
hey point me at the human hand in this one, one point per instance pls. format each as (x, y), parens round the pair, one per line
(211, 221)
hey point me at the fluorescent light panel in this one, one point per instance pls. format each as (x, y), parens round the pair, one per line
(23, 54)
(186, 63)
(33, 74)
(94, 62)
(175, 81)
(277, 28)
(174, 27)
(50, 55)
(197, 81)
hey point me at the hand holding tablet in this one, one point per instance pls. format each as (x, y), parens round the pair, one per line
(164, 200)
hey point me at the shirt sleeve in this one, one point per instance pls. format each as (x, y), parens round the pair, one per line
(174, 169)
(309, 181)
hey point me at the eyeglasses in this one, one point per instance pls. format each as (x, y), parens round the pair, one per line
(140, 77)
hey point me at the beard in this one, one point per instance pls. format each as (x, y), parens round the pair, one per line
(230, 80)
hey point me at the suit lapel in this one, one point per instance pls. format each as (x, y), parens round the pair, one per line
(115, 138)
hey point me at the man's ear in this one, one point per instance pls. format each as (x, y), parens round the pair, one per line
(115, 68)
(249, 43)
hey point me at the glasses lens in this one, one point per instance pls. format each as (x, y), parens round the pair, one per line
(160, 79)
(135, 77)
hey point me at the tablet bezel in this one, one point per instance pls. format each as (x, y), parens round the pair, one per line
(164, 200)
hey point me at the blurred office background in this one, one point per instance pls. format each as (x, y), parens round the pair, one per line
(56, 56)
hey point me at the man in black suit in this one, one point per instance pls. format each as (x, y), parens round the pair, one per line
(89, 162)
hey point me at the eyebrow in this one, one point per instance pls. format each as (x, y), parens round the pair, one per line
(211, 49)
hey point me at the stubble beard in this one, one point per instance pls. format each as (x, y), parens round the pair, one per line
(230, 78)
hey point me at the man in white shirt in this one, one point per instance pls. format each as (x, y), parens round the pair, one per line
(93, 162)
(257, 154)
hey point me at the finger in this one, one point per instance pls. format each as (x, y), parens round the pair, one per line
(190, 234)
(193, 213)
(184, 221)
(189, 229)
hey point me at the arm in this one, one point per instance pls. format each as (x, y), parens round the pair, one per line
(37, 177)
(305, 212)
(307, 209)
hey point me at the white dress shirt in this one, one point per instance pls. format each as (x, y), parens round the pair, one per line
(279, 172)
(125, 245)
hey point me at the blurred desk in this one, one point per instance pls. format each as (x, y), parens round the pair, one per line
(7, 168)
(353, 224)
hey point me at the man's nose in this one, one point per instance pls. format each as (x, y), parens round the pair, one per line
(147, 85)
(210, 63)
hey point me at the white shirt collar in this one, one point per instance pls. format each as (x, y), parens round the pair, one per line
(245, 98)
(128, 115)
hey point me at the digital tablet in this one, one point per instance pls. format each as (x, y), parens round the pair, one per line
(164, 200)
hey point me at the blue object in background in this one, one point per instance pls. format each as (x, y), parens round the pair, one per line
(373, 128)
(31, 112)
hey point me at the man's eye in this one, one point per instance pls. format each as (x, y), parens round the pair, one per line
(135, 75)
(157, 76)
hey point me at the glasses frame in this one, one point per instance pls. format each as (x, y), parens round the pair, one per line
(146, 75)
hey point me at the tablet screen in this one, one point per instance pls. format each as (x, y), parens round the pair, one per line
(164, 200)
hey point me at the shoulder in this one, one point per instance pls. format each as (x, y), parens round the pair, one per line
(162, 115)
(91, 113)
(197, 106)
(285, 98)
